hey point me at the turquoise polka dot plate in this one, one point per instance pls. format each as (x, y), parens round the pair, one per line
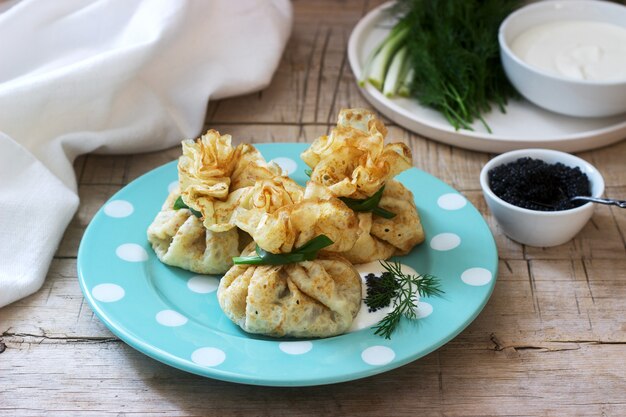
(173, 315)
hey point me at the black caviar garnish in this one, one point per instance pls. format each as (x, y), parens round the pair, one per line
(380, 290)
(536, 185)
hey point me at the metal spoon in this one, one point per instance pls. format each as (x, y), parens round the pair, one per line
(608, 201)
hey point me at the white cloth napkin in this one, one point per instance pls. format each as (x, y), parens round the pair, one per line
(114, 76)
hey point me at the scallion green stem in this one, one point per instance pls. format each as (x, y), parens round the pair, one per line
(394, 74)
(180, 204)
(369, 204)
(306, 252)
(382, 60)
(404, 89)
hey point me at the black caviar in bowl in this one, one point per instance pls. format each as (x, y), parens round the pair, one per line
(536, 185)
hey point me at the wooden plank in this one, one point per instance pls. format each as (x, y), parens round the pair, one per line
(103, 377)
(510, 317)
(104, 169)
(92, 197)
(610, 162)
(548, 303)
(600, 239)
(260, 133)
(139, 164)
(328, 65)
(107, 377)
(79, 165)
(618, 213)
(606, 280)
(304, 87)
(526, 381)
(57, 311)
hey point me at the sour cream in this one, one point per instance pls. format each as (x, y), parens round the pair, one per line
(583, 50)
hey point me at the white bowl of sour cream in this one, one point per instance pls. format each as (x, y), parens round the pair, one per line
(568, 56)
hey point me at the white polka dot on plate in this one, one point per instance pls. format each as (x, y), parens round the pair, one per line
(445, 241)
(118, 208)
(295, 348)
(476, 276)
(423, 310)
(378, 355)
(108, 293)
(170, 318)
(203, 284)
(208, 356)
(131, 252)
(172, 186)
(451, 201)
(287, 164)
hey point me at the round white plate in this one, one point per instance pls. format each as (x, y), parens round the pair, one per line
(523, 126)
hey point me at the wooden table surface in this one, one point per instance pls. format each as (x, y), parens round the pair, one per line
(551, 340)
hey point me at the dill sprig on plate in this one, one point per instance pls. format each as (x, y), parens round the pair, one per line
(401, 290)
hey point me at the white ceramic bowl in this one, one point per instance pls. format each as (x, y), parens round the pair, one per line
(582, 98)
(540, 228)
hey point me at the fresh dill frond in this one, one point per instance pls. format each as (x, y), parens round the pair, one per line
(388, 324)
(454, 50)
(403, 294)
(446, 56)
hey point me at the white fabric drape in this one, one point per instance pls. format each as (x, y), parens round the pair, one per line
(112, 76)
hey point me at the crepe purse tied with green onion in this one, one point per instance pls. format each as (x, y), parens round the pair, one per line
(194, 229)
(290, 282)
(354, 164)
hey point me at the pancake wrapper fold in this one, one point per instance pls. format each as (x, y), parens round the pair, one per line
(214, 178)
(353, 161)
(317, 298)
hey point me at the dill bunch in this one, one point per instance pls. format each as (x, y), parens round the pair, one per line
(454, 52)
(445, 54)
